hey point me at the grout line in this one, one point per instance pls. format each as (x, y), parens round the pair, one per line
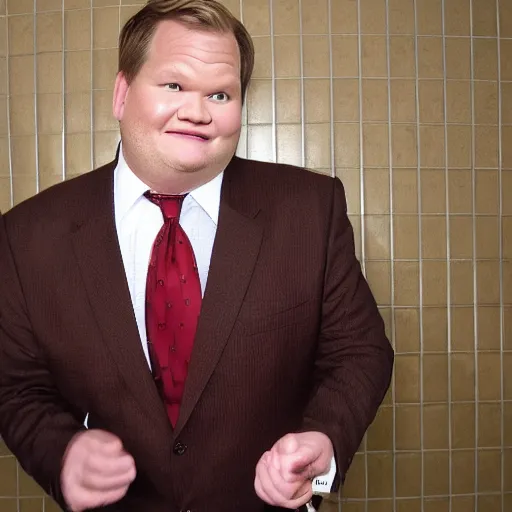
(91, 131)
(473, 217)
(391, 242)
(8, 106)
(448, 262)
(361, 137)
(302, 94)
(273, 64)
(36, 124)
(500, 241)
(420, 259)
(64, 103)
(331, 88)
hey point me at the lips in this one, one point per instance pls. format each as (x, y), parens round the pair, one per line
(188, 133)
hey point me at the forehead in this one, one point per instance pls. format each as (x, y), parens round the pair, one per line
(174, 40)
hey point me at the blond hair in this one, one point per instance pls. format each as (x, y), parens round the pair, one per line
(138, 32)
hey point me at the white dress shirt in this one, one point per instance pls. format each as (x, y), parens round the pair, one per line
(138, 221)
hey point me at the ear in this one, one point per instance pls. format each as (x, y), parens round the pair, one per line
(121, 88)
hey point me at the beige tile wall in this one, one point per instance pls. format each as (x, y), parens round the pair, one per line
(410, 103)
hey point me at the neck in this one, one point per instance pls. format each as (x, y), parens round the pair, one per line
(172, 181)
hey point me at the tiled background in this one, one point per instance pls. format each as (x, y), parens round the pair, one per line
(410, 103)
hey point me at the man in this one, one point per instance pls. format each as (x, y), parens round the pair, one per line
(205, 314)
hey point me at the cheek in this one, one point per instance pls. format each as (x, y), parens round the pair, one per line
(150, 109)
(229, 122)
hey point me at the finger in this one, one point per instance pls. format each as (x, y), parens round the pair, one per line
(287, 486)
(291, 498)
(260, 485)
(100, 482)
(261, 492)
(302, 462)
(110, 446)
(109, 466)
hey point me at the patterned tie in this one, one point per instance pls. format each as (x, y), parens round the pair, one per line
(173, 304)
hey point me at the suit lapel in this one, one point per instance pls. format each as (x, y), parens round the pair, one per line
(100, 262)
(235, 252)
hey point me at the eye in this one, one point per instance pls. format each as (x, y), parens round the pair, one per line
(173, 87)
(221, 97)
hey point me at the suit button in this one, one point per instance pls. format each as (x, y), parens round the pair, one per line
(179, 448)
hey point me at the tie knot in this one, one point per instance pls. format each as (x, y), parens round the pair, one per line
(169, 204)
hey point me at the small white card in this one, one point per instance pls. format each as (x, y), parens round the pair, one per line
(323, 483)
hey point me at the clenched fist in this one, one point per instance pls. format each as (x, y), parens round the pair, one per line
(284, 474)
(96, 470)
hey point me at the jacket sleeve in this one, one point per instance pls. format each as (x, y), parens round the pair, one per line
(35, 421)
(354, 359)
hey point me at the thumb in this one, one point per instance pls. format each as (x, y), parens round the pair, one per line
(303, 462)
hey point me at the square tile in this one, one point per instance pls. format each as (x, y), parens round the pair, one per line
(461, 237)
(403, 101)
(487, 238)
(461, 279)
(377, 233)
(484, 18)
(380, 471)
(405, 191)
(256, 17)
(489, 376)
(345, 55)
(49, 32)
(401, 16)
(435, 329)
(430, 57)
(315, 17)
(408, 427)
(431, 101)
(435, 426)
(463, 377)
(435, 378)
(402, 57)
(287, 57)
(433, 237)
(407, 377)
(344, 17)
(436, 478)
(406, 283)
(457, 18)
(429, 17)
(406, 237)
(463, 425)
(489, 425)
(286, 17)
(373, 17)
(313, 47)
(408, 474)
(485, 59)
(463, 472)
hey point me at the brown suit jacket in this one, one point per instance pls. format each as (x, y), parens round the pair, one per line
(289, 339)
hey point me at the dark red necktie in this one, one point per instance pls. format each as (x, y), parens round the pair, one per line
(173, 304)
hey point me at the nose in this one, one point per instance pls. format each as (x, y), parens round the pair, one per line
(193, 110)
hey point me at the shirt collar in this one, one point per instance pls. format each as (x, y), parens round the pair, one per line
(129, 189)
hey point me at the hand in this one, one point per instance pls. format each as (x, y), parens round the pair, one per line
(284, 474)
(96, 470)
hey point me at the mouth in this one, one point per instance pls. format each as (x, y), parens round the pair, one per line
(190, 134)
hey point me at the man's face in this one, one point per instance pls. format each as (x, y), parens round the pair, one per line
(182, 112)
